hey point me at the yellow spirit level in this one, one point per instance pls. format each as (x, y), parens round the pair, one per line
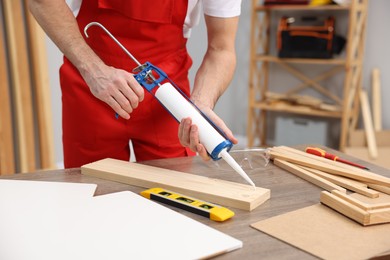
(209, 210)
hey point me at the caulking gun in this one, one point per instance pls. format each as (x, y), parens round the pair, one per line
(180, 106)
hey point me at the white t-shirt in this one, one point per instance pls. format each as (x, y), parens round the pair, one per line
(216, 8)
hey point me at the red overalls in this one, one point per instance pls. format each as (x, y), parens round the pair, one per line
(151, 31)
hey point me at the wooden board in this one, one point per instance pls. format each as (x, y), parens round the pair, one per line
(327, 234)
(7, 158)
(329, 166)
(307, 175)
(21, 85)
(218, 191)
(380, 188)
(368, 125)
(41, 87)
(349, 184)
(376, 100)
(356, 210)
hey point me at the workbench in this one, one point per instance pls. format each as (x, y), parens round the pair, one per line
(288, 193)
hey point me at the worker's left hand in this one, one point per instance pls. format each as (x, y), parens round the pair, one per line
(189, 134)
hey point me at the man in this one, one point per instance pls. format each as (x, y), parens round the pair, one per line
(96, 79)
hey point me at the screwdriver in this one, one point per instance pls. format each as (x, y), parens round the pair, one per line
(322, 153)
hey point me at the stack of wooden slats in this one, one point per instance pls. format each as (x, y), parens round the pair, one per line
(26, 138)
(337, 178)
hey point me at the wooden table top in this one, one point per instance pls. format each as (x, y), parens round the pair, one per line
(288, 193)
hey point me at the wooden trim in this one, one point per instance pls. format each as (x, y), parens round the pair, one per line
(222, 192)
(361, 204)
(368, 125)
(376, 100)
(21, 84)
(379, 188)
(41, 87)
(329, 166)
(344, 207)
(307, 175)
(304, 155)
(7, 158)
(349, 184)
(361, 212)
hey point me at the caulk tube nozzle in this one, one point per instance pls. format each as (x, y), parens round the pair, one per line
(226, 156)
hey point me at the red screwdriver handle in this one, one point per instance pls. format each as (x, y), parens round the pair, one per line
(319, 152)
(322, 153)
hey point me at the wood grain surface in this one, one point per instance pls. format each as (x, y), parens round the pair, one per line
(214, 190)
(21, 84)
(7, 165)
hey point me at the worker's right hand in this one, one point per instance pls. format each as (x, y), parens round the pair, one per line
(189, 134)
(118, 88)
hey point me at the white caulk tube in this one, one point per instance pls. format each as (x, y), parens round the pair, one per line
(216, 145)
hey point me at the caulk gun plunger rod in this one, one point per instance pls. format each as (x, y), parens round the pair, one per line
(113, 38)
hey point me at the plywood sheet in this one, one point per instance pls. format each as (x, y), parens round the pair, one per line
(218, 191)
(327, 234)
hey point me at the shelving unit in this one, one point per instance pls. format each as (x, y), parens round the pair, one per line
(345, 107)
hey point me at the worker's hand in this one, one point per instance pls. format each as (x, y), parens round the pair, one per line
(118, 88)
(189, 135)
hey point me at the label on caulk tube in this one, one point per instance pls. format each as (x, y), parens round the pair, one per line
(181, 108)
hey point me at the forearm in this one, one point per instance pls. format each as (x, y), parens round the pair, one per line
(60, 25)
(213, 76)
(217, 68)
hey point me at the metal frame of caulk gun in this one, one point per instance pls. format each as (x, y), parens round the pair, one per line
(146, 79)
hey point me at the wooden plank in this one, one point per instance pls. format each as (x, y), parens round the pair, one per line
(332, 177)
(303, 155)
(352, 200)
(331, 167)
(41, 87)
(368, 125)
(376, 100)
(360, 204)
(349, 184)
(356, 210)
(344, 207)
(20, 77)
(222, 192)
(379, 188)
(379, 216)
(306, 175)
(7, 159)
